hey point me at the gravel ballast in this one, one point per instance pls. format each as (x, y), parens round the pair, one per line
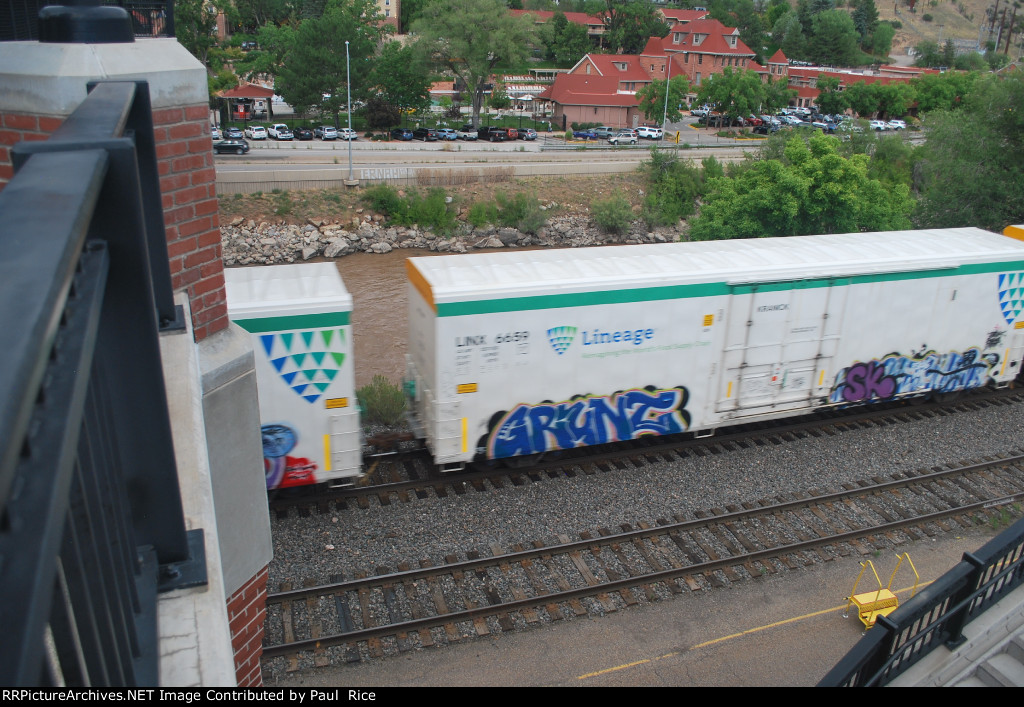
(365, 540)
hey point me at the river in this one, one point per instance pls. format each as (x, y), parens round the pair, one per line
(380, 311)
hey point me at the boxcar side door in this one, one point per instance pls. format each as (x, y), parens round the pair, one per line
(780, 341)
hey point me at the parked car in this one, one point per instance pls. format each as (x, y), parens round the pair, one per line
(303, 134)
(233, 133)
(425, 134)
(231, 146)
(493, 134)
(280, 131)
(823, 126)
(604, 132)
(766, 129)
(879, 125)
(467, 132)
(326, 132)
(584, 135)
(897, 125)
(256, 132)
(649, 132)
(527, 134)
(700, 112)
(448, 134)
(347, 134)
(215, 133)
(401, 134)
(624, 137)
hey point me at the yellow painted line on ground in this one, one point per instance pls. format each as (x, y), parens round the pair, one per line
(730, 637)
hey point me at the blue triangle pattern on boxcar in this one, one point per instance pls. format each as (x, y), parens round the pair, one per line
(1011, 295)
(308, 361)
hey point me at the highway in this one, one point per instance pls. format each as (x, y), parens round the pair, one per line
(317, 164)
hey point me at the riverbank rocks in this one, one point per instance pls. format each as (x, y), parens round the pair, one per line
(246, 243)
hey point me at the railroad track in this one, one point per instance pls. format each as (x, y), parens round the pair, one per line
(403, 476)
(404, 608)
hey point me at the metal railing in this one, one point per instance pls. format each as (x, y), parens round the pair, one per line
(91, 520)
(19, 19)
(936, 616)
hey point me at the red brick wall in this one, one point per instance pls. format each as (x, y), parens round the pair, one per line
(15, 127)
(247, 611)
(188, 185)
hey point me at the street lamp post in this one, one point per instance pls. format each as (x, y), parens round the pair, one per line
(668, 76)
(350, 182)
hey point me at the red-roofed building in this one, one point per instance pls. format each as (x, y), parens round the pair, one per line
(700, 48)
(593, 23)
(681, 17)
(582, 98)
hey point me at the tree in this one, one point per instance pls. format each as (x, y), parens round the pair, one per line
(566, 41)
(881, 40)
(776, 94)
(473, 39)
(942, 91)
(788, 34)
(314, 73)
(812, 189)
(830, 100)
(895, 99)
(195, 27)
(499, 99)
(865, 19)
(973, 171)
(834, 39)
(629, 24)
(928, 54)
(400, 79)
(652, 98)
(863, 98)
(253, 14)
(733, 93)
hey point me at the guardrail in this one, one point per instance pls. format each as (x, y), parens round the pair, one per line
(936, 616)
(92, 524)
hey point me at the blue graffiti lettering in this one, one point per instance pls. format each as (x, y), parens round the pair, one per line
(896, 374)
(531, 429)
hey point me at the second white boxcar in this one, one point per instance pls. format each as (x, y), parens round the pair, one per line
(298, 317)
(522, 353)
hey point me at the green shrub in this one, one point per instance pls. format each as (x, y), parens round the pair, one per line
(431, 211)
(673, 187)
(282, 203)
(522, 211)
(385, 199)
(926, 17)
(613, 214)
(482, 213)
(382, 401)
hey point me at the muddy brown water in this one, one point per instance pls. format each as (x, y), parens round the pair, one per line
(380, 313)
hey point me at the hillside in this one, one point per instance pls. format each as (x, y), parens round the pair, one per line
(951, 19)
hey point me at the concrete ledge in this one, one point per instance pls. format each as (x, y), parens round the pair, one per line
(49, 79)
(195, 642)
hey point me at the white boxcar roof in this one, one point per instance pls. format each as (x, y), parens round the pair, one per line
(285, 290)
(487, 276)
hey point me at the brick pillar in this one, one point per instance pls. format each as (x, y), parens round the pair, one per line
(36, 104)
(247, 610)
(188, 185)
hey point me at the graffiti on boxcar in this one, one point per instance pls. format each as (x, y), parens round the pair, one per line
(282, 470)
(587, 420)
(895, 374)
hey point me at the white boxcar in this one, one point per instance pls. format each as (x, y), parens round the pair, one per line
(522, 353)
(298, 316)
